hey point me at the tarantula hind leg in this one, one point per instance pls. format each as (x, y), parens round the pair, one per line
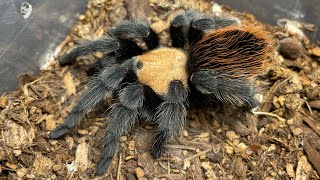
(123, 116)
(236, 91)
(171, 116)
(99, 88)
(193, 25)
(199, 26)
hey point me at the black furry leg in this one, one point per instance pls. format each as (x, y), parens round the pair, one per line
(136, 29)
(101, 64)
(105, 45)
(199, 26)
(236, 91)
(123, 116)
(179, 27)
(191, 25)
(99, 88)
(171, 116)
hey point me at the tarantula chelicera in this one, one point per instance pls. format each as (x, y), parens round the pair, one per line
(212, 59)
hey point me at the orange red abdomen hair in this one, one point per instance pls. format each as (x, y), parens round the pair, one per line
(237, 51)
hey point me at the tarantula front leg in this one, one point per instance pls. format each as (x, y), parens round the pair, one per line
(106, 45)
(171, 116)
(123, 116)
(136, 29)
(99, 88)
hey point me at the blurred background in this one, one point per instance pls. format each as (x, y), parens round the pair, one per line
(30, 30)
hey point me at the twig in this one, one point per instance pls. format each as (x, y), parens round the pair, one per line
(308, 106)
(119, 167)
(270, 114)
(197, 155)
(169, 170)
(309, 121)
(181, 147)
(25, 87)
(312, 155)
(269, 96)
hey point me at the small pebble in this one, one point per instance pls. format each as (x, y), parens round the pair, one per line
(185, 133)
(17, 152)
(290, 48)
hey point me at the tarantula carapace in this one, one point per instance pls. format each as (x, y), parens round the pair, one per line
(212, 59)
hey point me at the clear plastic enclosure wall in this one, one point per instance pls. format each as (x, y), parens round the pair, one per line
(29, 33)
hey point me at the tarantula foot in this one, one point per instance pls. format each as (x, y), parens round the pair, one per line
(65, 60)
(155, 153)
(58, 132)
(158, 145)
(103, 165)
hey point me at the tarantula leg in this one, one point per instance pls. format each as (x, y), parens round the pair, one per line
(179, 26)
(171, 116)
(100, 64)
(136, 29)
(236, 91)
(199, 26)
(123, 116)
(99, 88)
(105, 45)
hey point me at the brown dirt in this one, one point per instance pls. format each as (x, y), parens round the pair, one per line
(281, 141)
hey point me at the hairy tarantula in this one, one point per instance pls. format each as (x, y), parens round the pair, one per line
(212, 59)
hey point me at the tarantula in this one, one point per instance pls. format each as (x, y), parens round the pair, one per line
(212, 59)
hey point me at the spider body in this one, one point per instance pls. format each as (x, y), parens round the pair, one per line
(213, 58)
(161, 66)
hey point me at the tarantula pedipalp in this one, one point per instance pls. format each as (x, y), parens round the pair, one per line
(212, 59)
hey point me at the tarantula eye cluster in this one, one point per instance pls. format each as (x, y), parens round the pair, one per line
(212, 59)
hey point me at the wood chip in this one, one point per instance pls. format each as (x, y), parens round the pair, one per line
(50, 123)
(83, 132)
(139, 172)
(117, 14)
(312, 155)
(315, 51)
(42, 165)
(303, 169)
(3, 101)
(81, 160)
(22, 172)
(290, 170)
(315, 104)
(138, 9)
(69, 84)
